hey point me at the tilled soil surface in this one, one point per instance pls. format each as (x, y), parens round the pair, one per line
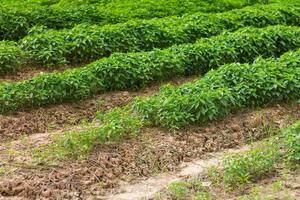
(56, 117)
(155, 150)
(44, 119)
(29, 71)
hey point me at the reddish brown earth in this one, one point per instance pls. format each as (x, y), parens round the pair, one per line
(155, 150)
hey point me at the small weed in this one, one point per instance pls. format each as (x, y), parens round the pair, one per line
(50, 126)
(191, 189)
(241, 169)
(202, 196)
(268, 128)
(179, 190)
(159, 196)
(291, 138)
(277, 186)
(115, 124)
(84, 122)
(213, 174)
(256, 190)
(197, 185)
(2, 171)
(99, 105)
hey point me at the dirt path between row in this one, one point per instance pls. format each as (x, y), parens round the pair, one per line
(283, 184)
(154, 151)
(147, 189)
(29, 71)
(56, 117)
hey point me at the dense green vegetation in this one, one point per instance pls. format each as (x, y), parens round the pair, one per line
(84, 43)
(264, 82)
(17, 17)
(135, 70)
(220, 91)
(10, 57)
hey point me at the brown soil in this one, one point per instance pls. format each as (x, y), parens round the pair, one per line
(27, 72)
(156, 186)
(154, 151)
(59, 116)
(56, 117)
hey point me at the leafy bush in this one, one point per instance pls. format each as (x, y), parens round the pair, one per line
(84, 43)
(18, 16)
(291, 138)
(16, 22)
(145, 9)
(135, 70)
(264, 82)
(178, 111)
(12, 25)
(10, 57)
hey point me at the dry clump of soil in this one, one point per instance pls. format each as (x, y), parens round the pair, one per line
(60, 116)
(155, 150)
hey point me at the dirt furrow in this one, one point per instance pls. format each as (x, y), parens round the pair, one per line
(147, 189)
(60, 116)
(29, 71)
(154, 151)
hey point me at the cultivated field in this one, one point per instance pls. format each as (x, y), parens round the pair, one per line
(143, 99)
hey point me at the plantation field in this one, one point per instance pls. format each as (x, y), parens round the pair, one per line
(111, 99)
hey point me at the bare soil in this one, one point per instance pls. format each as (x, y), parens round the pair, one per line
(151, 187)
(31, 70)
(154, 151)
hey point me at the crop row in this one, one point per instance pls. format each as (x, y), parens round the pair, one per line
(219, 92)
(231, 86)
(84, 43)
(135, 70)
(87, 43)
(19, 17)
